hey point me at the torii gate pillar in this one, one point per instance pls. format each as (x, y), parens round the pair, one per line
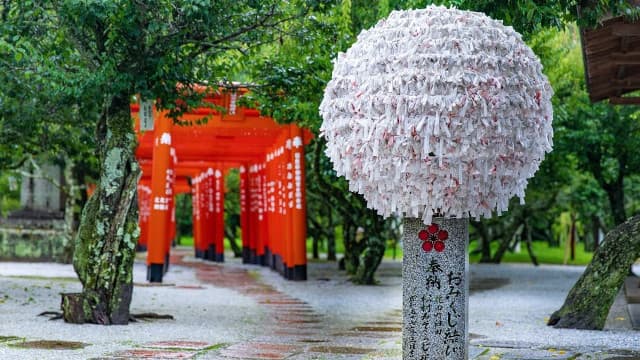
(161, 192)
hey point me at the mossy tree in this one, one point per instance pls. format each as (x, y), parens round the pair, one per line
(587, 304)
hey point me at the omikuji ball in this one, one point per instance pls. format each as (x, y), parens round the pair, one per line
(438, 111)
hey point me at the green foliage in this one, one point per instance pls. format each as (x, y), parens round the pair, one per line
(292, 81)
(599, 140)
(38, 66)
(149, 47)
(594, 156)
(184, 217)
(531, 16)
(9, 193)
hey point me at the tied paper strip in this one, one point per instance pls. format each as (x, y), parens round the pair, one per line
(438, 111)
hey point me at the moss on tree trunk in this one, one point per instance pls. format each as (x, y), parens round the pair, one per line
(108, 232)
(589, 301)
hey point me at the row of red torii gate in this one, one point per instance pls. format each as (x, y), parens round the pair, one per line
(179, 158)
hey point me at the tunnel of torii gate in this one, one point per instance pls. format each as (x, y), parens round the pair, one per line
(195, 159)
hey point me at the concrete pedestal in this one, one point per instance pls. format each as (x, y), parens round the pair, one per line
(435, 289)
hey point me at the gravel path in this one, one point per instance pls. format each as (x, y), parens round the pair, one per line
(236, 312)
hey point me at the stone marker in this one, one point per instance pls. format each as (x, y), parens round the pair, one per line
(437, 115)
(435, 289)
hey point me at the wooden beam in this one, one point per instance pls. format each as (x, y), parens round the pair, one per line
(628, 58)
(626, 29)
(624, 47)
(616, 100)
(628, 84)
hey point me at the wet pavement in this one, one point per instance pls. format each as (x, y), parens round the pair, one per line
(329, 318)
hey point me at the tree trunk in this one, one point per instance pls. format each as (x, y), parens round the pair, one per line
(230, 230)
(371, 258)
(231, 236)
(532, 255)
(108, 232)
(314, 248)
(331, 239)
(572, 238)
(615, 193)
(331, 246)
(485, 241)
(502, 249)
(587, 304)
(351, 248)
(595, 230)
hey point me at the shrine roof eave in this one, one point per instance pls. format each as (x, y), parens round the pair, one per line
(611, 54)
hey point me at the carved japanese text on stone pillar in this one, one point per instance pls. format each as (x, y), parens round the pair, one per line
(435, 289)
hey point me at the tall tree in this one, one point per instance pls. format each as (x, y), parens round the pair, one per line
(602, 140)
(137, 47)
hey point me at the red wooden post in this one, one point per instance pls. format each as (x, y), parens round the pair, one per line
(259, 215)
(171, 224)
(245, 220)
(282, 228)
(270, 186)
(207, 217)
(218, 214)
(259, 234)
(270, 206)
(158, 219)
(264, 232)
(253, 211)
(288, 248)
(299, 213)
(144, 211)
(195, 218)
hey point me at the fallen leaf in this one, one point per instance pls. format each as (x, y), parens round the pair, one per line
(498, 323)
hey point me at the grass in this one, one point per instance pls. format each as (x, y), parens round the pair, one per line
(542, 250)
(188, 241)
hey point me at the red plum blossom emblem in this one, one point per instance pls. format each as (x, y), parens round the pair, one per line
(433, 238)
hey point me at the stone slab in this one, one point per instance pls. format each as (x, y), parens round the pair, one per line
(178, 344)
(634, 314)
(632, 289)
(153, 354)
(260, 351)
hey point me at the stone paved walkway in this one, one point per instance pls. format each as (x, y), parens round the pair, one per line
(324, 318)
(294, 330)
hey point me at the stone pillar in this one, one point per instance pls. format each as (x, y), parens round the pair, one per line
(38, 193)
(435, 289)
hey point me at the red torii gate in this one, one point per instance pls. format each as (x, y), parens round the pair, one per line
(182, 159)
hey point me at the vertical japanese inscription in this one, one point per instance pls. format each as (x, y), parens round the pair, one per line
(435, 292)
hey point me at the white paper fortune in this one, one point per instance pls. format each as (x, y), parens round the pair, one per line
(438, 111)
